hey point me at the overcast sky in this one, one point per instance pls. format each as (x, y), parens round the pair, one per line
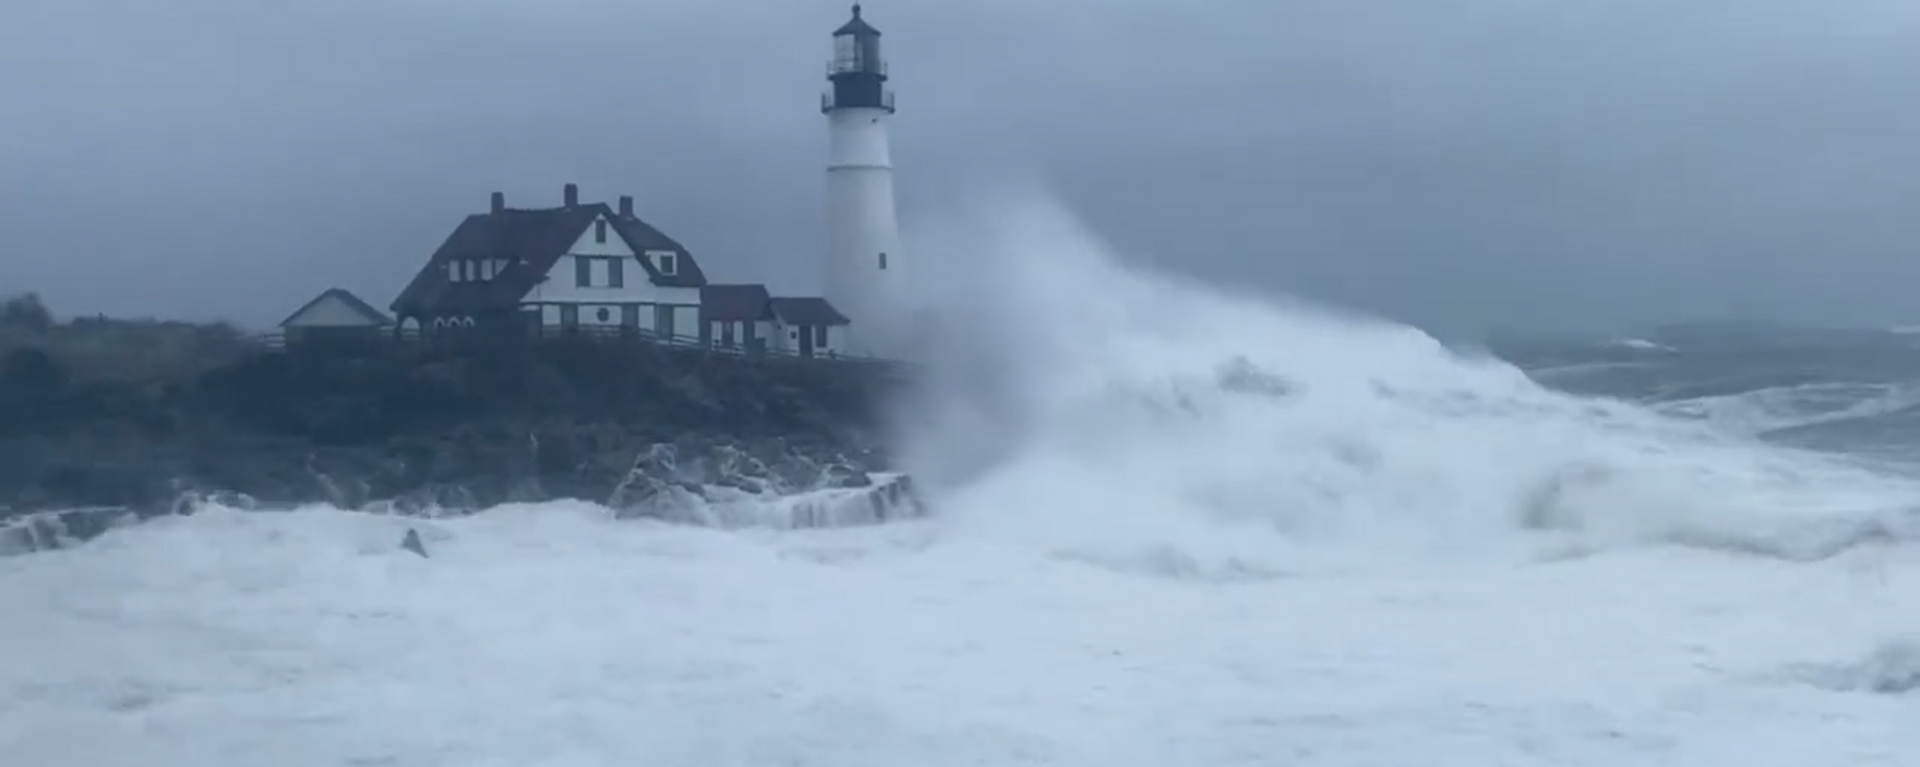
(1462, 164)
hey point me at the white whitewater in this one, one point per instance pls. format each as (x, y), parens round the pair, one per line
(1173, 527)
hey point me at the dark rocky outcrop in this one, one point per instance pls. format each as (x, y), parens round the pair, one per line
(411, 542)
(152, 417)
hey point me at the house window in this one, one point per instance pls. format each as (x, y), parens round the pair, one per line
(603, 315)
(616, 273)
(473, 270)
(486, 270)
(453, 271)
(883, 262)
(582, 272)
(819, 335)
(726, 334)
(600, 230)
(666, 264)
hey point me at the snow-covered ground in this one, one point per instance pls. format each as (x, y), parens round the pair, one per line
(1233, 534)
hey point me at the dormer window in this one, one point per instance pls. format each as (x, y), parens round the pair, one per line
(663, 261)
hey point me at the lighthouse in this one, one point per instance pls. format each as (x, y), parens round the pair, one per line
(865, 270)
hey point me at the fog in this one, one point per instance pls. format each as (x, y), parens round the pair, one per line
(1464, 166)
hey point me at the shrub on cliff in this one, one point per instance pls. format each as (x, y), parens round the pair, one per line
(97, 350)
(25, 313)
(107, 376)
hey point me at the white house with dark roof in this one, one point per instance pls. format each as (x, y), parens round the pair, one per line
(591, 266)
(571, 266)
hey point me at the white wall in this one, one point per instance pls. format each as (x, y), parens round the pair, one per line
(781, 337)
(861, 225)
(330, 312)
(561, 287)
(763, 330)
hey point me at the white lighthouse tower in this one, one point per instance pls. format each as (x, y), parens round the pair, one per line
(866, 274)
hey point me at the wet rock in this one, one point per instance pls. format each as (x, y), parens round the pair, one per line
(655, 489)
(51, 530)
(413, 543)
(1240, 375)
(889, 499)
(843, 474)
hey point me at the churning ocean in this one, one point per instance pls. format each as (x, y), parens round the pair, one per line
(1240, 531)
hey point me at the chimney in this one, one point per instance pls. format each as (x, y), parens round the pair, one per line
(499, 202)
(572, 192)
(626, 206)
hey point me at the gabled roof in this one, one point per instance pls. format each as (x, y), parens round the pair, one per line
(735, 303)
(806, 311)
(346, 297)
(531, 241)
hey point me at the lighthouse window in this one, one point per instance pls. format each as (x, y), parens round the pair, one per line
(883, 261)
(843, 54)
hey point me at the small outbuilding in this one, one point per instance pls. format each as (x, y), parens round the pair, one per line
(334, 319)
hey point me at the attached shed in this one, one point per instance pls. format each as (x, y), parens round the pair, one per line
(736, 317)
(808, 326)
(335, 318)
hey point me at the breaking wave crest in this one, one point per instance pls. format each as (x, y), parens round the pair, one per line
(1109, 413)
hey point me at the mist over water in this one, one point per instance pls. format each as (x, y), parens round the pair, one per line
(1109, 413)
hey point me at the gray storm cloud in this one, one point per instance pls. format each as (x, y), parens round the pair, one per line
(1460, 165)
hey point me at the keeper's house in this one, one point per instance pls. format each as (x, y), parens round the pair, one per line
(589, 267)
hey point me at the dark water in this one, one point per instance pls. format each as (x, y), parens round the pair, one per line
(1852, 392)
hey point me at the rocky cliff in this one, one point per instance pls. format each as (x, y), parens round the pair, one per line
(152, 417)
